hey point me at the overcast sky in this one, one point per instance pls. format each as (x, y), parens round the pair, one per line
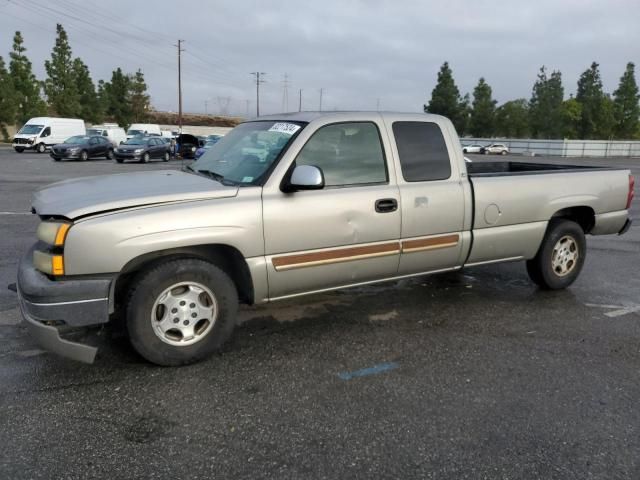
(358, 51)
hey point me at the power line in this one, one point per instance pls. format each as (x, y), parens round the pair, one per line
(258, 81)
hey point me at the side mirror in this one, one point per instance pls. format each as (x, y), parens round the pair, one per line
(305, 177)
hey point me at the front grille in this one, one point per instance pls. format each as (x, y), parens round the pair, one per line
(21, 141)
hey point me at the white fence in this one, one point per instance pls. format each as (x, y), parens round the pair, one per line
(563, 148)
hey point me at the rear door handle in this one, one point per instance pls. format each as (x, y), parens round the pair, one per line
(385, 205)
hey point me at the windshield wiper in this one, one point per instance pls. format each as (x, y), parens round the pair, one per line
(212, 174)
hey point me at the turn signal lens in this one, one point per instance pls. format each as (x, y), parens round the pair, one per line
(47, 263)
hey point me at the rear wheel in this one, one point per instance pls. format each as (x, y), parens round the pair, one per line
(486, 152)
(561, 256)
(181, 311)
(41, 148)
(464, 150)
(166, 157)
(109, 154)
(503, 152)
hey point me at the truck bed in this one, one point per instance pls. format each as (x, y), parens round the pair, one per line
(499, 169)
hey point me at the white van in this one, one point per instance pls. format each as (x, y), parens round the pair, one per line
(113, 132)
(143, 129)
(42, 132)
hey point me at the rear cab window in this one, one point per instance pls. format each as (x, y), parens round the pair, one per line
(422, 151)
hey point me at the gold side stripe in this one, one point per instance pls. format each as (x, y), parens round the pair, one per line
(430, 243)
(340, 255)
(337, 255)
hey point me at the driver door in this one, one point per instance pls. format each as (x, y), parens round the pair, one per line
(344, 234)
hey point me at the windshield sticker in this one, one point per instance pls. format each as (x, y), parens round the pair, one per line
(288, 128)
(247, 179)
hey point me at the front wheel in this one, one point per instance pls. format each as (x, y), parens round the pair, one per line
(166, 157)
(109, 154)
(503, 152)
(41, 148)
(561, 256)
(19, 149)
(145, 158)
(464, 150)
(486, 152)
(84, 155)
(181, 311)
(119, 160)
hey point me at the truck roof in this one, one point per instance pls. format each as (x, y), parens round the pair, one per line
(347, 115)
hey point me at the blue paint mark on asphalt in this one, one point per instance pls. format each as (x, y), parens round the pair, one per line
(376, 369)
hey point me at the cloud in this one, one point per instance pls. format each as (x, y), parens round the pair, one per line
(358, 51)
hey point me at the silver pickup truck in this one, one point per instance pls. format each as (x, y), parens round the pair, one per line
(291, 205)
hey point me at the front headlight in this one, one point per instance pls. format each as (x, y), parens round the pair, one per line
(53, 233)
(116, 150)
(139, 150)
(193, 149)
(48, 263)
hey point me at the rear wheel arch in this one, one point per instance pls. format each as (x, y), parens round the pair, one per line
(225, 257)
(582, 215)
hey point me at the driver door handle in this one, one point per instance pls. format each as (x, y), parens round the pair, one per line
(386, 205)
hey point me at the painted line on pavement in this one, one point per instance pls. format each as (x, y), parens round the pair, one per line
(375, 370)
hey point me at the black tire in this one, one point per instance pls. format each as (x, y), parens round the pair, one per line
(145, 157)
(464, 150)
(503, 152)
(486, 152)
(109, 154)
(19, 149)
(119, 160)
(84, 156)
(166, 157)
(41, 148)
(541, 268)
(150, 284)
(56, 159)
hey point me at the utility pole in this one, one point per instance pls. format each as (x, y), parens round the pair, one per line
(300, 100)
(285, 93)
(257, 75)
(180, 50)
(321, 92)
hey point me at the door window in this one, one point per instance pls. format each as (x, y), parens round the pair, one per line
(347, 153)
(422, 150)
(46, 132)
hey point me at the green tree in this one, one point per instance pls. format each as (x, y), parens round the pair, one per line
(512, 119)
(626, 105)
(545, 106)
(446, 100)
(483, 110)
(7, 100)
(593, 100)
(571, 115)
(60, 85)
(89, 102)
(116, 97)
(606, 119)
(140, 100)
(29, 102)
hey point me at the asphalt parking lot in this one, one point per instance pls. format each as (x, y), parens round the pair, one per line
(471, 375)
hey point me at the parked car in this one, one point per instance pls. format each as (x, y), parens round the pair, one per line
(496, 148)
(475, 148)
(207, 145)
(114, 133)
(292, 205)
(138, 129)
(41, 133)
(187, 144)
(143, 149)
(82, 147)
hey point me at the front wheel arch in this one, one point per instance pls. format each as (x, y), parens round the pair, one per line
(226, 257)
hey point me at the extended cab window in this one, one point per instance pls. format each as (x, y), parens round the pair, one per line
(422, 150)
(347, 153)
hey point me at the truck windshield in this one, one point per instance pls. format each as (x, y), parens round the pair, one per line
(244, 155)
(135, 132)
(94, 131)
(31, 129)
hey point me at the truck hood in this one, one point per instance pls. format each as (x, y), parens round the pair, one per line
(90, 195)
